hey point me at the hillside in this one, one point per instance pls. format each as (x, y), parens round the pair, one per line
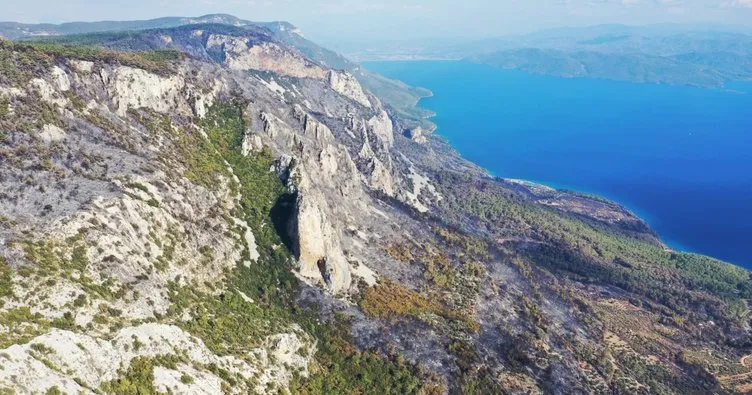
(696, 55)
(661, 54)
(210, 208)
(689, 69)
(398, 96)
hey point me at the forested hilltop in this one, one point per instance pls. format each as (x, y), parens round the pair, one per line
(222, 208)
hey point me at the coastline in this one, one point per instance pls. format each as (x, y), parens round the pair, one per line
(642, 214)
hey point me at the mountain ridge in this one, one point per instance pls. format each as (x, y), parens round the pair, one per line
(251, 219)
(697, 55)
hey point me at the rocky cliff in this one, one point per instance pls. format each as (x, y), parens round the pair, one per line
(227, 214)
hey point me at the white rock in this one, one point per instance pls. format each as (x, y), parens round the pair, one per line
(316, 243)
(95, 361)
(420, 185)
(61, 79)
(241, 55)
(317, 131)
(346, 85)
(47, 92)
(250, 240)
(381, 127)
(416, 134)
(82, 66)
(51, 133)
(170, 381)
(136, 88)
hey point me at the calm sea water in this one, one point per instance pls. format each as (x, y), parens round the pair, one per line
(680, 157)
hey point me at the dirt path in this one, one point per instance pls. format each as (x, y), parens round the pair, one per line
(733, 378)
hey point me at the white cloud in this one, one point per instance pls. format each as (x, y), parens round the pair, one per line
(737, 4)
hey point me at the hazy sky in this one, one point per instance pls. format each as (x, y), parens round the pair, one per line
(364, 19)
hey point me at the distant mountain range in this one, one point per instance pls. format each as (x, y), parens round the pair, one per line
(674, 54)
(699, 55)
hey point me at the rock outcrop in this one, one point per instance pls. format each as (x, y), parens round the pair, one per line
(134, 88)
(54, 359)
(243, 54)
(416, 134)
(345, 84)
(316, 243)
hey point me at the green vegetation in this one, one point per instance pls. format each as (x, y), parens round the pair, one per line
(54, 391)
(186, 379)
(68, 260)
(6, 280)
(141, 187)
(19, 62)
(260, 189)
(4, 106)
(139, 378)
(15, 66)
(23, 325)
(453, 267)
(203, 163)
(40, 348)
(156, 61)
(596, 253)
(230, 325)
(227, 324)
(342, 369)
(135, 40)
(390, 300)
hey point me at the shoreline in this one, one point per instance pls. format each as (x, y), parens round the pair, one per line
(643, 215)
(723, 87)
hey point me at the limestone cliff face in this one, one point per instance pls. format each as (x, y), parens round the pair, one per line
(338, 164)
(416, 134)
(316, 242)
(133, 88)
(380, 126)
(318, 170)
(121, 217)
(117, 220)
(374, 157)
(348, 86)
(242, 54)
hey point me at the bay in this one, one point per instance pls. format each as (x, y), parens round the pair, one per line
(678, 156)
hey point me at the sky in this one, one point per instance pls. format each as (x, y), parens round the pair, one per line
(344, 21)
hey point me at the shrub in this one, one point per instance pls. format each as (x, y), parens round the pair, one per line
(6, 279)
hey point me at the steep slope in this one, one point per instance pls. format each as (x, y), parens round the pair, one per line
(400, 97)
(223, 213)
(137, 207)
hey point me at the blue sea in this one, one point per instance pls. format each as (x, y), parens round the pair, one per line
(678, 156)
